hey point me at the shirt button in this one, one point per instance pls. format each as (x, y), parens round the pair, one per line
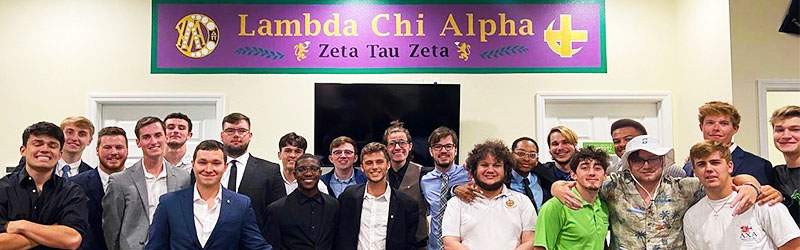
(33, 190)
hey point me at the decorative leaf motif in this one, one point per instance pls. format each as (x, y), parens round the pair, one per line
(504, 51)
(258, 52)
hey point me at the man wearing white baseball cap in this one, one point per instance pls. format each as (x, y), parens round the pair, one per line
(647, 205)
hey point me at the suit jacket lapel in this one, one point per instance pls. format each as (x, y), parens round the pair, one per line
(248, 174)
(96, 190)
(137, 173)
(187, 212)
(737, 156)
(393, 206)
(225, 207)
(172, 182)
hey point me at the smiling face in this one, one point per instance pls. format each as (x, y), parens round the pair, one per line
(288, 156)
(446, 153)
(152, 140)
(522, 154)
(343, 156)
(589, 174)
(76, 139)
(41, 152)
(375, 166)
(621, 137)
(646, 167)
(208, 166)
(490, 173)
(399, 146)
(713, 171)
(786, 135)
(177, 132)
(560, 148)
(112, 153)
(307, 172)
(718, 127)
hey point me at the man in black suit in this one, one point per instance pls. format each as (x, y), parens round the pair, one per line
(246, 174)
(373, 215)
(112, 151)
(78, 133)
(306, 218)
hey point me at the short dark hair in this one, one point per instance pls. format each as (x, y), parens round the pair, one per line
(109, 131)
(596, 154)
(234, 118)
(374, 147)
(294, 140)
(625, 122)
(46, 129)
(395, 126)
(497, 149)
(147, 120)
(441, 133)
(210, 145)
(342, 140)
(514, 144)
(179, 115)
(310, 156)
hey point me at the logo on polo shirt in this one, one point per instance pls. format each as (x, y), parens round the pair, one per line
(198, 35)
(747, 233)
(510, 203)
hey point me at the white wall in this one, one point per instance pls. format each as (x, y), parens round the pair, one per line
(57, 52)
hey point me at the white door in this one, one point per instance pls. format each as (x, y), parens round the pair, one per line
(206, 121)
(591, 118)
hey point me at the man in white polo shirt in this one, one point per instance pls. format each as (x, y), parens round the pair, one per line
(709, 223)
(498, 218)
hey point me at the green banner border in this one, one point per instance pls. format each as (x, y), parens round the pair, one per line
(156, 70)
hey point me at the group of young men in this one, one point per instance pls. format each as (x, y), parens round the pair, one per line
(222, 197)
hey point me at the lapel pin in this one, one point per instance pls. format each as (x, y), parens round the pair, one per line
(391, 216)
(228, 201)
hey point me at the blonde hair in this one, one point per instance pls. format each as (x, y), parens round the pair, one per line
(784, 113)
(719, 108)
(80, 122)
(572, 138)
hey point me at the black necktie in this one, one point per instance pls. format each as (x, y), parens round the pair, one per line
(528, 192)
(232, 178)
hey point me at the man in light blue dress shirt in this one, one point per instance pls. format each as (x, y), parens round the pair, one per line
(343, 156)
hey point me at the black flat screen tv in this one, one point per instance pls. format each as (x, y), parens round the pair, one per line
(364, 111)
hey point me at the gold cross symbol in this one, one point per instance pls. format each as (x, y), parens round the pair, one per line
(560, 41)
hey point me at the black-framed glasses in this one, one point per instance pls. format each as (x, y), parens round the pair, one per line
(232, 131)
(305, 169)
(345, 152)
(392, 144)
(446, 147)
(652, 161)
(522, 154)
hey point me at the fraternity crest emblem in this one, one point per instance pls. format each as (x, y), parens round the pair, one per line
(510, 203)
(198, 35)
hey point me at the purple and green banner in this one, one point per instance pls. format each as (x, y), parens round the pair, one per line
(310, 37)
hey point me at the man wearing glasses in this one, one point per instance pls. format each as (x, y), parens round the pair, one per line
(343, 156)
(405, 175)
(246, 174)
(306, 218)
(529, 177)
(436, 185)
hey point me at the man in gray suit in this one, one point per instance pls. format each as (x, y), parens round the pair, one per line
(133, 194)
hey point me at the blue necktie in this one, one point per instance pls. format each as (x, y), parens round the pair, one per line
(65, 171)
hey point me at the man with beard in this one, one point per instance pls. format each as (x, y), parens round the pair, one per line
(563, 228)
(133, 194)
(436, 185)
(38, 209)
(246, 174)
(374, 215)
(291, 146)
(199, 208)
(709, 224)
(179, 130)
(786, 135)
(648, 205)
(498, 218)
(343, 156)
(112, 151)
(306, 218)
(405, 175)
(562, 142)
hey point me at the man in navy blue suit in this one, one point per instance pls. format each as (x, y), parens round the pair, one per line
(719, 121)
(112, 151)
(216, 218)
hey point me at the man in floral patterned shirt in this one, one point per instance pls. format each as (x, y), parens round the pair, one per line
(646, 208)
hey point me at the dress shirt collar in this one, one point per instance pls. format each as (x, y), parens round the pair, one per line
(387, 194)
(303, 199)
(733, 146)
(25, 179)
(197, 198)
(285, 181)
(241, 160)
(163, 174)
(502, 194)
(62, 162)
(450, 172)
(103, 177)
(348, 179)
(517, 178)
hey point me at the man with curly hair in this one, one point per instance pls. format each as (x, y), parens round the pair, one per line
(498, 218)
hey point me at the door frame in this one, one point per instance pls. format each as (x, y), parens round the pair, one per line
(663, 101)
(765, 85)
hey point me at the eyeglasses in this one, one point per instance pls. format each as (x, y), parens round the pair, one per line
(651, 161)
(305, 169)
(345, 152)
(232, 131)
(392, 144)
(447, 147)
(521, 154)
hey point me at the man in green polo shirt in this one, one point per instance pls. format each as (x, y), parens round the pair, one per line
(560, 227)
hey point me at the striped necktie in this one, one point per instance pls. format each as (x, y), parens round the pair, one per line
(443, 197)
